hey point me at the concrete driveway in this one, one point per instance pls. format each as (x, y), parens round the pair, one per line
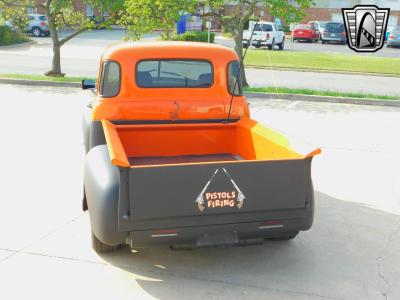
(351, 252)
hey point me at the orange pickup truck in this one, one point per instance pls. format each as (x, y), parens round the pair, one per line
(172, 156)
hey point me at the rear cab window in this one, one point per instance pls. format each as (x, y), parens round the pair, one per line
(174, 73)
(334, 27)
(263, 27)
(110, 79)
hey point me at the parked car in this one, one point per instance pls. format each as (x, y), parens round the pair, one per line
(266, 34)
(305, 32)
(394, 37)
(318, 25)
(334, 32)
(37, 25)
(388, 30)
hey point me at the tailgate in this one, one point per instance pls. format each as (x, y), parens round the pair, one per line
(211, 193)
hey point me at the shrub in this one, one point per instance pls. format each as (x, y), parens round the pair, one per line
(194, 36)
(9, 37)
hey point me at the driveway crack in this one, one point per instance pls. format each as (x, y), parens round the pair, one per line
(380, 259)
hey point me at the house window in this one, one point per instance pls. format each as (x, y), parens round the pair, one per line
(392, 21)
(89, 10)
(337, 17)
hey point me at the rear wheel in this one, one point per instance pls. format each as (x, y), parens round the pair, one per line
(282, 45)
(36, 32)
(271, 47)
(323, 42)
(100, 247)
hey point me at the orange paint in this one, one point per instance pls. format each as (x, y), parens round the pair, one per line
(136, 103)
(115, 149)
(246, 138)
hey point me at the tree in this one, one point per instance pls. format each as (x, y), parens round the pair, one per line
(15, 11)
(235, 22)
(144, 16)
(63, 13)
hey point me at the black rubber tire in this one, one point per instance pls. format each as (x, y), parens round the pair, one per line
(282, 45)
(36, 32)
(271, 47)
(287, 237)
(323, 42)
(100, 247)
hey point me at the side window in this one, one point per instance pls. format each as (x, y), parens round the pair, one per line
(234, 86)
(110, 79)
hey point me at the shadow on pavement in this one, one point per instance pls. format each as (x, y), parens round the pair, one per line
(348, 254)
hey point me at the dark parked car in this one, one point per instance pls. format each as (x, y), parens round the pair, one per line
(334, 32)
(394, 37)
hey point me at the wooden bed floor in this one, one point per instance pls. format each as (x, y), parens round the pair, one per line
(164, 160)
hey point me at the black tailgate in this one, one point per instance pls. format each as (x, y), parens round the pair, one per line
(183, 192)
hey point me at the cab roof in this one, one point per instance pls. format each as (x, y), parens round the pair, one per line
(151, 50)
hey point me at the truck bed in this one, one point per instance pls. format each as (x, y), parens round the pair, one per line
(166, 160)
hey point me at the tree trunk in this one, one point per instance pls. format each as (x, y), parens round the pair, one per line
(239, 50)
(56, 62)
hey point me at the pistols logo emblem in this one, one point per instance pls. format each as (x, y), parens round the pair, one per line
(216, 193)
(365, 27)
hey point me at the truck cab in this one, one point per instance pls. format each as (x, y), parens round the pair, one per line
(173, 157)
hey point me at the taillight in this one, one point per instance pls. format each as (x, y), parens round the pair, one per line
(391, 36)
(43, 24)
(343, 33)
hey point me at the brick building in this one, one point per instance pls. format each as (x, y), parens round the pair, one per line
(331, 10)
(324, 10)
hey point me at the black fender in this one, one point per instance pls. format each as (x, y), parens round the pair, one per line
(102, 181)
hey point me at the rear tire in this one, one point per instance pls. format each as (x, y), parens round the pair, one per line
(271, 47)
(100, 247)
(36, 32)
(323, 42)
(282, 45)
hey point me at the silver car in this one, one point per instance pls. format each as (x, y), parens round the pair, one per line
(37, 25)
(394, 37)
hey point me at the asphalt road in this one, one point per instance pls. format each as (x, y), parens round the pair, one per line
(351, 252)
(80, 57)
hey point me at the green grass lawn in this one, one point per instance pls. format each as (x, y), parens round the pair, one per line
(284, 90)
(323, 61)
(42, 77)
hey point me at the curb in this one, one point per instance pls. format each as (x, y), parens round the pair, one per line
(326, 99)
(321, 71)
(17, 45)
(291, 97)
(39, 82)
